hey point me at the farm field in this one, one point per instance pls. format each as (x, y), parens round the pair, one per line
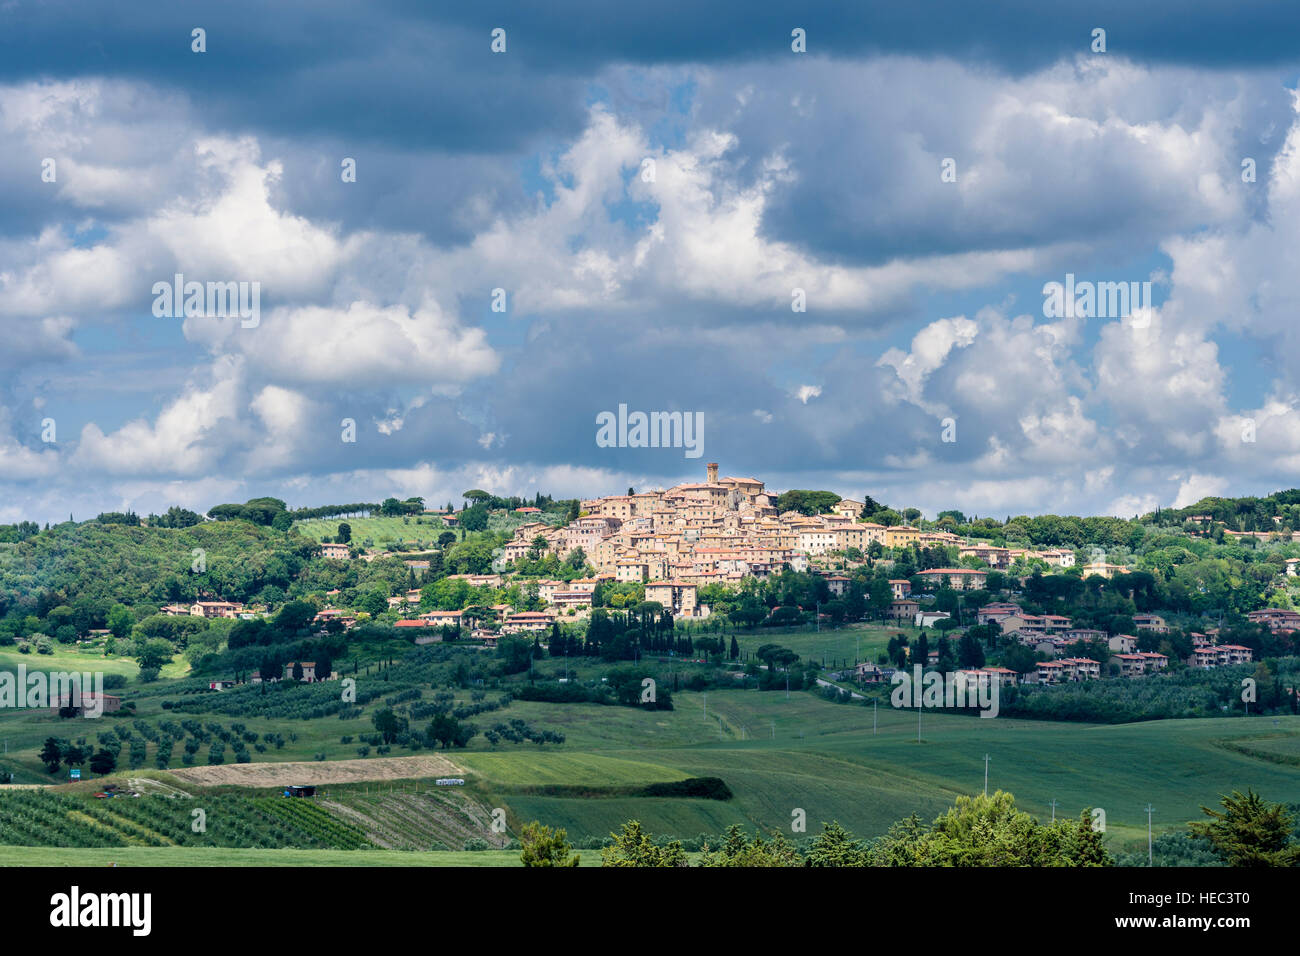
(776, 754)
(220, 856)
(88, 657)
(838, 769)
(845, 643)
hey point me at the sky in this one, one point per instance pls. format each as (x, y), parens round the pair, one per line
(835, 258)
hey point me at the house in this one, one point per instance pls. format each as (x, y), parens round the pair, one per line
(1235, 654)
(930, 618)
(442, 618)
(837, 584)
(1051, 672)
(900, 536)
(88, 700)
(903, 609)
(215, 609)
(848, 508)
(571, 599)
(868, 673)
(1082, 668)
(997, 611)
(676, 596)
(900, 587)
(1155, 662)
(959, 579)
(308, 670)
(1004, 675)
(1150, 622)
(527, 622)
(1122, 644)
(336, 551)
(1103, 570)
(1276, 619)
(1131, 665)
(1058, 557)
(994, 557)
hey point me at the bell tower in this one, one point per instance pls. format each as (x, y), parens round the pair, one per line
(713, 472)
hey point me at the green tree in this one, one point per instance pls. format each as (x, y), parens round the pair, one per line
(633, 846)
(103, 762)
(1250, 831)
(52, 753)
(120, 621)
(152, 654)
(835, 846)
(545, 847)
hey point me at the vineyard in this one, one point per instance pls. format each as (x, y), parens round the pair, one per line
(42, 818)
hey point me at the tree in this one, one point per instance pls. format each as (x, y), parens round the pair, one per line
(103, 762)
(632, 846)
(120, 621)
(345, 532)
(970, 652)
(739, 850)
(73, 755)
(835, 846)
(1250, 831)
(52, 753)
(990, 831)
(388, 724)
(474, 518)
(151, 655)
(544, 847)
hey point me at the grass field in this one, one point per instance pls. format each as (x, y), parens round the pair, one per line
(778, 755)
(219, 856)
(81, 658)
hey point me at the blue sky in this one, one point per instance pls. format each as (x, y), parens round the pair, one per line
(525, 171)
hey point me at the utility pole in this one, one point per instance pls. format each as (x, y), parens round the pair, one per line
(1053, 805)
(874, 704)
(918, 721)
(774, 730)
(986, 775)
(1150, 853)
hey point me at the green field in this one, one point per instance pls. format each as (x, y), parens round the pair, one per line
(777, 755)
(826, 760)
(85, 657)
(422, 530)
(850, 642)
(216, 856)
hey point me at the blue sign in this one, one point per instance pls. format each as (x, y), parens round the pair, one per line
(76, 774)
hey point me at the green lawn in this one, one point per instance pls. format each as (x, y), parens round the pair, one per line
(84, 657)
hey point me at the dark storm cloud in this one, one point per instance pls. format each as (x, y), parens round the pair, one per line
(421, 73)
